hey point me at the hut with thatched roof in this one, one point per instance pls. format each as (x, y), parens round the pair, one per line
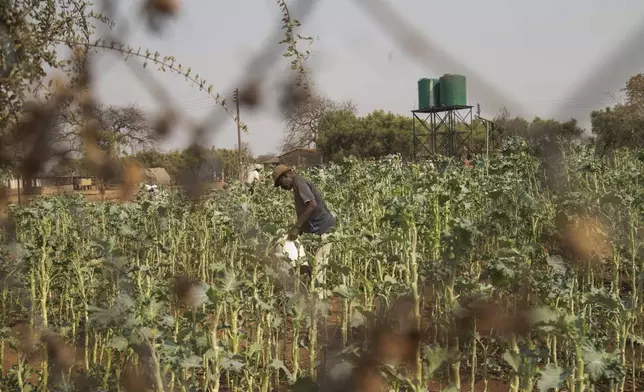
(157, 176)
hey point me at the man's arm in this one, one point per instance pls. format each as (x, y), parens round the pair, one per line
(309, 200)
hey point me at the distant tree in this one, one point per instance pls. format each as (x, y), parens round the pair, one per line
(43, 51)
(197, 163)
(549, 134)
(617, 127)
(172, 161)
(635, 93)
(153, 158)
(342, 134)
(265, 157)
(69, 167)
(31, 36)
(123, 129)
(543, 136)
(622, 125)
(301, 121)
(229, 161)
(517, 126)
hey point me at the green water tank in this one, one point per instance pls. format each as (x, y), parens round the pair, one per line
(453, 91)
(428, 93)
(436, 92)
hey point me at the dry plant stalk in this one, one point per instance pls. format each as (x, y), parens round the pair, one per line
(185, 290)
(587, 238)
(367, 378)
(163, 124)
(61, 355)
(491, 316)
(394, 347)
(134, 380)
(295, 94)
(28, 340)
(250, 95)
(165, 7)
(132, 177)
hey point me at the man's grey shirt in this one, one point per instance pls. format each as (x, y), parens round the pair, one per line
(321, 221)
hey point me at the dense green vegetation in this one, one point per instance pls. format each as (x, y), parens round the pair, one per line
(436, 272)
(503, 278)
(338, 131)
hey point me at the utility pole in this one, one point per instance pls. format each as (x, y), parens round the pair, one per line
(239, 146)
(478, 109)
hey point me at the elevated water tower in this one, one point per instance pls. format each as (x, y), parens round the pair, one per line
(442, 124)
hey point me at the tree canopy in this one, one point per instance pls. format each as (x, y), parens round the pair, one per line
(343, 134)
(302, 121)
(622, 125)
(195, 162)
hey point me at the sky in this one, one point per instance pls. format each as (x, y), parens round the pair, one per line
(538, 57)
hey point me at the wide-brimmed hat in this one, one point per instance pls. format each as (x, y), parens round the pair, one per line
(279, 171)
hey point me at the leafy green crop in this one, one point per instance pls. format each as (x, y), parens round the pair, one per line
(444, 274)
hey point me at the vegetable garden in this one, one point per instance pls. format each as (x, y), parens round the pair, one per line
(446, 276)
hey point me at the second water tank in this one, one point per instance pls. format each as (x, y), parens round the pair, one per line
(428, 93)
(453, 91)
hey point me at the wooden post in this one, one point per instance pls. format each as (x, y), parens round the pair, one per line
(239, 146)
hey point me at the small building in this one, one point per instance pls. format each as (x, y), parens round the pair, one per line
(49, 184)
(301, 157)
(83, 183)
(270, 164)
(44, 180)
(157, 176)
(15, 183)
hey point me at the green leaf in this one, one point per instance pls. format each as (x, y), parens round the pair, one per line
(279, 365)
(603, 299)
(305, 384)
(543, 315)
(344, 291)
(390, 279)
(435, 357)
(229, 282)
(552, 377)
(191, 362)
(341, 371)
(557, 264)
(357, 320)
(232, 365)
(119, 343)
(513, 359)
(595, 365)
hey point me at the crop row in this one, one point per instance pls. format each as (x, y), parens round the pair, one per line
(435, 273)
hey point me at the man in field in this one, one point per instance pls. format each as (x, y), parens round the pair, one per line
(312, 217)
(312, 214)
(253, 177)
(468, 161)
